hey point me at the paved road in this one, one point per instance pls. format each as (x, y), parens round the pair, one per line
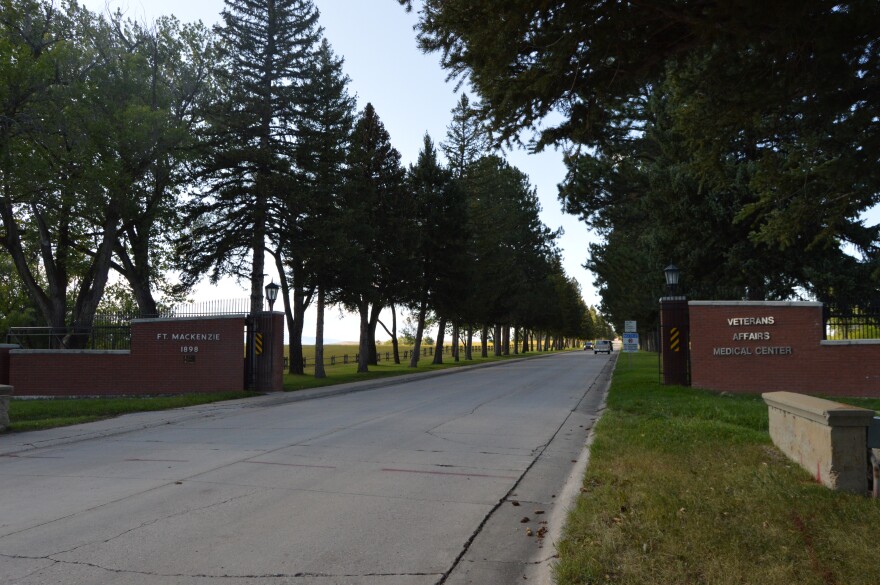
(422, 482)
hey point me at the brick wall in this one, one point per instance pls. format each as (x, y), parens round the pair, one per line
(167, 356)
(772, 346)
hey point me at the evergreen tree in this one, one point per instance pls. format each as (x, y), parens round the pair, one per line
(466, 138)
(440, 277)
(263, 53)
(378, 219)
(311, 237)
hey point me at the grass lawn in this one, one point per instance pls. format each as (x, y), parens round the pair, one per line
(340, 374)
(36, 414)
(385, 350)
(684, 486)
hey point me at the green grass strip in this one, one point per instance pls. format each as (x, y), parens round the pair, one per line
(46, 413)
(684, 486)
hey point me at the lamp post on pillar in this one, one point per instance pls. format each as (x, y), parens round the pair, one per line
(674, 331)
(272, 294)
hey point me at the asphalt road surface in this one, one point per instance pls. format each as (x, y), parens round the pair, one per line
(456, 478)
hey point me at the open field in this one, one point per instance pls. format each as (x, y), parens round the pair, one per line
(385, 350)
(684, 486)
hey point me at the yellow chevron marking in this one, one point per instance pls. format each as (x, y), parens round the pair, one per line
(674, 339)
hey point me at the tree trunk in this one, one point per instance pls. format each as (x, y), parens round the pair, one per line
(394, 343)
(420, 329)
(258, 243)
(515, 340)
(505, 337)
(374, 322)
(296, 349)
(497, 340)
(438, 349)
(469, 347)
(525, 339)
(455, 332)
(484, 351)
(393, 334)
(93, 284)
(319, 336)
(364, 340)
(288, 312)
(136, 270)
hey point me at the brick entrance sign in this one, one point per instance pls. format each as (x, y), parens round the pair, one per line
(764, 346)
(167, 356)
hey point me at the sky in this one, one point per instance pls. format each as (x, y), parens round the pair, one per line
(411, 96)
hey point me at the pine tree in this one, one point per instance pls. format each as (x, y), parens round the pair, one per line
(440, 277)
(466, 138)
(264, 50)
(378, 224)
(310, 237)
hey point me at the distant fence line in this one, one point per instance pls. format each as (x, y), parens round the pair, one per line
(405, 355)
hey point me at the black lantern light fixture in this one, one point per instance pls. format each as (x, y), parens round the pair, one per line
(272, 293)
(672, 274)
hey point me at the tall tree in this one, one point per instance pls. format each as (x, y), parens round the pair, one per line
(77, 137)
(164, 72)
(263, 51)
(378, 215)
(440, 276)
(311, 234)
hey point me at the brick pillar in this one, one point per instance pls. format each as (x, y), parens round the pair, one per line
(675, 341)
(269, 359)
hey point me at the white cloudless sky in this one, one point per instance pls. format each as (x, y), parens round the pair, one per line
(411, 96)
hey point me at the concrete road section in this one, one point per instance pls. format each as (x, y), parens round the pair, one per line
(459, 478)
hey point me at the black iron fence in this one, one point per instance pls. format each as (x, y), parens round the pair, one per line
(852, 322)
(111, 331)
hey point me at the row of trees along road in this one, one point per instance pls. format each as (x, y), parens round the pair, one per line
(166, 148)
(738, 140)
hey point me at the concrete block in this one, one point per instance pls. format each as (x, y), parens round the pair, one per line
(5, 396)
(826, 438)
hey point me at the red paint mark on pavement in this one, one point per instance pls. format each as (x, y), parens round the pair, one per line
(291, 464)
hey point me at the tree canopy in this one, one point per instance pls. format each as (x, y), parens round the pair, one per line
(736, 138)
(131, 153)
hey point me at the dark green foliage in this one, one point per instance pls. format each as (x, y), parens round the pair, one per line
(738, 139)
(378, 212)
(312, 247)
(263, 52)
(97, 119)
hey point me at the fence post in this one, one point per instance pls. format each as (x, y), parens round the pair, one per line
(332, 360)
(345, 359)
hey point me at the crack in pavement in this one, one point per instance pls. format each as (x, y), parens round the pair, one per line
(537, 455)
(297, 575)
(150, 523)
